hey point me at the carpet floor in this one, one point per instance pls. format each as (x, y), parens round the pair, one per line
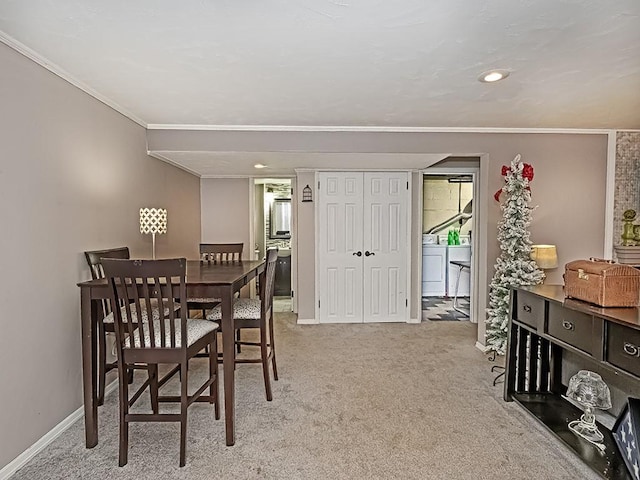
(373, 401)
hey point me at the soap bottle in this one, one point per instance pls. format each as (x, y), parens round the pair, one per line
(450, 238)
(456, 237)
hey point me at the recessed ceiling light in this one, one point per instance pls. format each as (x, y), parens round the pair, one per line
(259, 165)
(493, 76)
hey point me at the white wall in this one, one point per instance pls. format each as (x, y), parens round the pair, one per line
(73, 174)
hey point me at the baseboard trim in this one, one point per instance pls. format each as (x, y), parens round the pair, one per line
(22, 459)
(414, 320)
(307, 321)
(481, 347)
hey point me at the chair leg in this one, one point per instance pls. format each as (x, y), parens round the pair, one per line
(183, 413)
(102, 362)
(124, 411)
(153, 387)
(213, 369)
(272, 343)
(264, 355)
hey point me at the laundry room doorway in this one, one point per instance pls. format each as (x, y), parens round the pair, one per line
(448, 241)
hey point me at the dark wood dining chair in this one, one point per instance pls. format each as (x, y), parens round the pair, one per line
(94, 259)
(172, 339)
(106, 325)
(215, 253)
(221, 252)
(257, 313)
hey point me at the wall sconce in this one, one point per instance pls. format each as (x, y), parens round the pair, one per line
(153, 220)
(307, 194)
(545, 256)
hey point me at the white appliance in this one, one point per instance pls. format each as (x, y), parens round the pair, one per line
(460, 253)
(434, 270)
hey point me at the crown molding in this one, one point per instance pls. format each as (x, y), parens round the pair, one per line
(63, 74)
(374, 129)
(171, 162)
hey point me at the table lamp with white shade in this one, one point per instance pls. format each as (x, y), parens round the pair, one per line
(153, 221)
(545, 256)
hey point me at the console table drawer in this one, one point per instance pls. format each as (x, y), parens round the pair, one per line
(623, 348)
(574, 328)
(529, 309)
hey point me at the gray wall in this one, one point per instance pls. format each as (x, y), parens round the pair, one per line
(73, 174)
(568, 189)
(225, 214)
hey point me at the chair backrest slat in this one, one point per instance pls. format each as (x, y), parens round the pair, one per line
(221, 252)
(149, 288)
(94, 260)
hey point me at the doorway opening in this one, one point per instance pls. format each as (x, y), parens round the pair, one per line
(273, 227)
(448, 244)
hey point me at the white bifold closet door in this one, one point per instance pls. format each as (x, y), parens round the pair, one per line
(363, 235)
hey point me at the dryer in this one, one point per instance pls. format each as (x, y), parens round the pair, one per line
(434, 270)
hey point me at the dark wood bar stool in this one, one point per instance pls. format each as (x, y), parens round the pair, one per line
(215, 253)
(257, 313)
(173, 338)
(94, 259)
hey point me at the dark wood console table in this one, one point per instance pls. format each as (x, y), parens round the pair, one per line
(543, 327)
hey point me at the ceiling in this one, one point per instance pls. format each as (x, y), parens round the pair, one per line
(342, 63)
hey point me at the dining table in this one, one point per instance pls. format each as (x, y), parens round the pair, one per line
(204, 280)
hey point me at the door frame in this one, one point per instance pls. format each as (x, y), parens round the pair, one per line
(475, 232)
(294, 229)
(316, 215)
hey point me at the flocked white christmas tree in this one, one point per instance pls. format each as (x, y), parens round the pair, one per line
(514, 266)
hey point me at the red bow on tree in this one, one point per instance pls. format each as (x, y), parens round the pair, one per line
(527, 172)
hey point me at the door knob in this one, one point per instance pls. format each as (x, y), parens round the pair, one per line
(358, 254)
(368, 253)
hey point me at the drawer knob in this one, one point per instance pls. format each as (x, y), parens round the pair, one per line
(631, 349)
(527, 308)
(567, 325)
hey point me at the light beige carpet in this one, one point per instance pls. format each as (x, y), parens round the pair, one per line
(379, 401)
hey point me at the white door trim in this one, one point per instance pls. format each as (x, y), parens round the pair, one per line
(475, 232)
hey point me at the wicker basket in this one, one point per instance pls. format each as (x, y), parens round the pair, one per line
(603, 283)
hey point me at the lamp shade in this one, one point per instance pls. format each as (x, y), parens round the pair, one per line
(545, 256)
(153, 220)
